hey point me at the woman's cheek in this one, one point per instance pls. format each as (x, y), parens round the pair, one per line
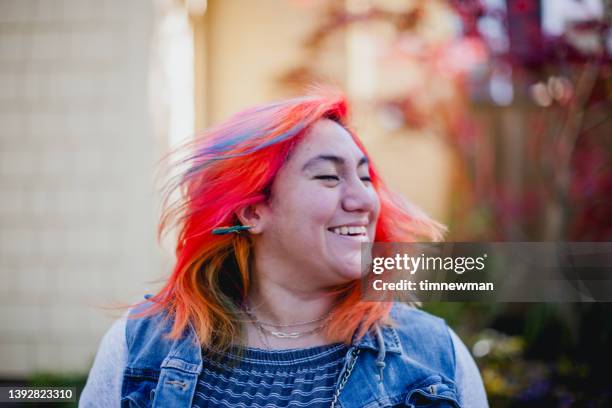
(322, 202)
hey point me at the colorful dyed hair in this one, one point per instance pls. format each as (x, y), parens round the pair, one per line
(231, 166)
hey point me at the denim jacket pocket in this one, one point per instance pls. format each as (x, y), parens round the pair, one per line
(434, 392)
(140, 386)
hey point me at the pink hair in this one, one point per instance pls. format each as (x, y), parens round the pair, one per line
(231, 166)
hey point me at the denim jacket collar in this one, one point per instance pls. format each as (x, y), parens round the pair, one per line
(390, 338)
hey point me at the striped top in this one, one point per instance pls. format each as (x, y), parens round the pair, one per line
(271, 378)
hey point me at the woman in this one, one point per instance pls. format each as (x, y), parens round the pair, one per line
(263, 306)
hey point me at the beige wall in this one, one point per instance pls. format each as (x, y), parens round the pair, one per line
(415, 164)
(249, 45)
(76, 157)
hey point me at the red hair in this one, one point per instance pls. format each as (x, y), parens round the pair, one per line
(231, 166)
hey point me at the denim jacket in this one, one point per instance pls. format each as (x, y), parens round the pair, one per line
(409, 365)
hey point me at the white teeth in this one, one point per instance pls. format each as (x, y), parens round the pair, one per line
(344, 230)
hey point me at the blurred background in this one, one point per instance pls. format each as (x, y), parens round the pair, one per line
(491, 115)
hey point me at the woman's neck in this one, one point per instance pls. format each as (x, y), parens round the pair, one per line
(271, 301)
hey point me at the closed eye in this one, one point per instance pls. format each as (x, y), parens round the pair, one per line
(327, 177)
(368, 179)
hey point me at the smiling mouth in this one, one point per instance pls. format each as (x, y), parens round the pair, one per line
(349, 231)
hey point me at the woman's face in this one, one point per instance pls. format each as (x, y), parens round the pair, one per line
(322, 207)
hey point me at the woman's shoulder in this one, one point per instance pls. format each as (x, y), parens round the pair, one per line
(410, 318)
(150, 338)
(145, 320)
(428, 339)
(423, 335)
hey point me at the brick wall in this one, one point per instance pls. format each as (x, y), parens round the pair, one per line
(76, 155)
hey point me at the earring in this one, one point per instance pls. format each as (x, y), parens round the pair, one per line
(229, 230)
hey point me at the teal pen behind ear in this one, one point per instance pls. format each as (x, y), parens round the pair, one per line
(228, 230)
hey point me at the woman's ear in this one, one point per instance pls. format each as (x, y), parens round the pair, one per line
(252, 215)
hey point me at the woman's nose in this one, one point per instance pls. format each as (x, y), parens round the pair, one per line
(359, 196)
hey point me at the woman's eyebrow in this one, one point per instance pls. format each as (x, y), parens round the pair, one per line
(337, 160)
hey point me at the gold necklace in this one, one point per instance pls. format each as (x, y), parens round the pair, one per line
(249, 312)
(262, 337)
(286, 335)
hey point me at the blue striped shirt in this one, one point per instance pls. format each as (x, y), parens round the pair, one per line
(271, 378)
